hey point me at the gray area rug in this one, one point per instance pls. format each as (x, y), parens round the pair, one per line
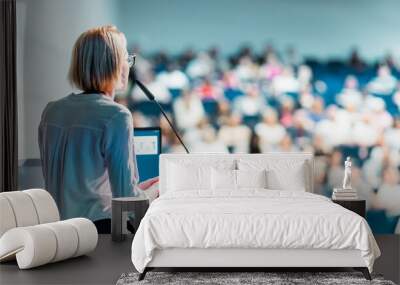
(228, 278)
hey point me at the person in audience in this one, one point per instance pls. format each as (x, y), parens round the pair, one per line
(209, 142)
(208, 91)
(333, 131)
(166, 132)
(304, 76)
(335, 170)
(392, 135)
(380, 118)
(318, 147)
(396, 98)
(223, 112)
(348, 116)
(175, 145)
(373, 167)
(246, 70)
(201, 66)
(139, 119)
(270, 131)
(350, 94)
(174, 78)
(287, 112)
(388, 195)
(286, 145)
(251, 104)
(303, 127)
(306, 97)
(235, 135)
(230, 81)
(363, 188)
(391, 62)
(317, 113)
(384, 83)
(363, 133)
(285, 82)
(155, 86)
(191, 136)
(203, 138)
(188, 110)
(320, 175)
(86, 139)
(272, 66)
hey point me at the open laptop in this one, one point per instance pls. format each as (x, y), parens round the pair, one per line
(147, 148)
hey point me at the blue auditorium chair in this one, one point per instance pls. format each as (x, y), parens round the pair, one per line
(211, 109)
(150, 109)
(380, 222)
(251, 121)
(231, 94)
(293, 95)
(175, 93)
(334, 85)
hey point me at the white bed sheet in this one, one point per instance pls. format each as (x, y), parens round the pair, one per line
(252, 218)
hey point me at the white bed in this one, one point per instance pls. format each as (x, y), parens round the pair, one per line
(213, 211)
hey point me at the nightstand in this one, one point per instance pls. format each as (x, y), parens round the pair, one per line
(121, 207)
(357, 206)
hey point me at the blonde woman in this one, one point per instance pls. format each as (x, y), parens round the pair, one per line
(86, 139)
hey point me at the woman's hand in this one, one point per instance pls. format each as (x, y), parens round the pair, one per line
(148, 183)
(150, 188)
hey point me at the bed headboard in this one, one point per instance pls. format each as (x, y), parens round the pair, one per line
(275, 158)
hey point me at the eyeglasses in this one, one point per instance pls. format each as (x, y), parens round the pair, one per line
(131, 58)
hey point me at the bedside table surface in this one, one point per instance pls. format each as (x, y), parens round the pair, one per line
(348, 200)
(131, 199)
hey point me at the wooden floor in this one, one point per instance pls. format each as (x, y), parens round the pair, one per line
(110, 260)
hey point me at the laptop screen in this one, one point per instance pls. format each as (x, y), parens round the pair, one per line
(147, 148)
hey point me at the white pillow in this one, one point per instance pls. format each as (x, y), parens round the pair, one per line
(188, 175)
(223, 179)
(282, 174)
(182, 177)
(291, 181)
(251, 178)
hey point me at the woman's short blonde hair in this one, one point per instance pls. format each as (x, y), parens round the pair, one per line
(97, 58)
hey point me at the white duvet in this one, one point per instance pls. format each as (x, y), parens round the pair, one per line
(250, 219)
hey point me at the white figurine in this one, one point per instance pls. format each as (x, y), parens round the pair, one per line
(347, 174)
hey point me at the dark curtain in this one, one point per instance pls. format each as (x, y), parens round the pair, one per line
(8, 98)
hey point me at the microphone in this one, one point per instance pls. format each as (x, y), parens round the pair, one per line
(151, 97)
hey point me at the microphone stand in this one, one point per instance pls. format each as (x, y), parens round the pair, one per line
(151, 97)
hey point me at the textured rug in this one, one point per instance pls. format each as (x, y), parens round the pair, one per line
(230, 278)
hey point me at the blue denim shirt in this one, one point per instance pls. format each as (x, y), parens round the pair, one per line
(87, 152)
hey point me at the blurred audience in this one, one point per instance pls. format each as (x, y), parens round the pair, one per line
(388, 196)
(235, 135)
(270, 131)
(255, 103)
(188, 110)
(384, 83)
